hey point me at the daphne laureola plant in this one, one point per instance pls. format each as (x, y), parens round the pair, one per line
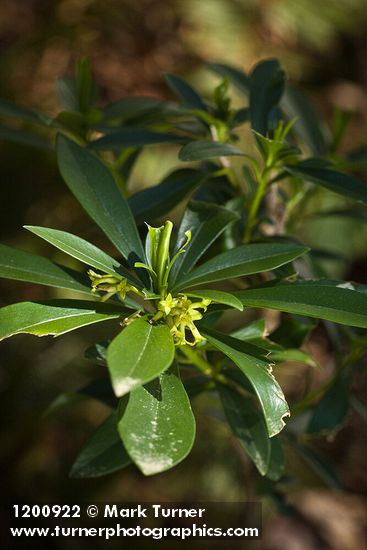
(231, 251)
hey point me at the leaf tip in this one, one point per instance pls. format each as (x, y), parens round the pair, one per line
(122, 386)
(151, 465)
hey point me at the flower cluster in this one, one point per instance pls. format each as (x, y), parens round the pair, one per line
(179, 314)
(111, 284)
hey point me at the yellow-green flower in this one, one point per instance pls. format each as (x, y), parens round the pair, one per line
(167, 304)
(111, 284)
(179, 314)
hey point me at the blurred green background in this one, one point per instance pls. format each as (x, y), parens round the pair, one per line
(323, 46)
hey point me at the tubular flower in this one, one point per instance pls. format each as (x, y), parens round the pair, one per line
(111, 284)
(179, 314)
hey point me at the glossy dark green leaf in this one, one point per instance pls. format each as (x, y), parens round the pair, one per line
(243, 260)
(331, 410)
(238, 78)
(12, 110)
(218, 296)
(216, 189)
(340, 124)
(16, 135)
(126, 167)
(323, 469)
(67, 93)
(103, 453)
(267, 83)
(276, 149)
(255, 333)
(240, 116)
(55, 317)
(206, 223)
(85, 86)
(359, 407)
(190, 125)
(233, 373)
(292, 356)
(203, 150)
(258, 372)
(266, 146)
(138, 355)
(24, 266)
(134, 137)
(95, 188)
(185, 92)
(98, 352)
(132, 107)
(247, 423)
(73, 122)
(158, 426)
(151, 203)
(293, 332)
(338, 182)
(276, 465)
(308, 125)
(252, 331)
(357, 212)
(358, 157)
(82, 250)
(321, 299)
